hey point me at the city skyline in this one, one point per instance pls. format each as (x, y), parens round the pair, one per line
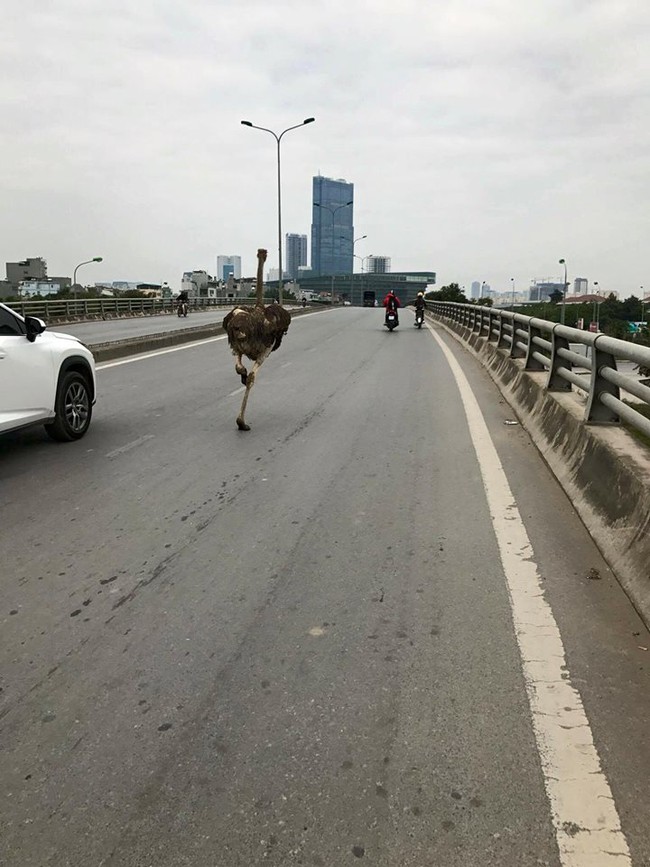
(124, 138)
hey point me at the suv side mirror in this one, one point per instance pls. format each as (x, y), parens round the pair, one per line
(34, 327)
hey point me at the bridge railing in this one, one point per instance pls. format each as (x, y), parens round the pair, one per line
(70, 308)
(546, 346)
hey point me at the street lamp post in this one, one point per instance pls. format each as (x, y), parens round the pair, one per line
(332, 212)
(362, 259)
(512, 282)
(74, 276)
(595, 316)
(562, 311)
(278, 139)
(360, 238)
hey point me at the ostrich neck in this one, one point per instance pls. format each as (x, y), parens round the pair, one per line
(260, 283)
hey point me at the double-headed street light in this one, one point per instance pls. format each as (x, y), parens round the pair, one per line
(74, 277)
(278, 139)
(363, 259)
(564, 288)
(360, 238)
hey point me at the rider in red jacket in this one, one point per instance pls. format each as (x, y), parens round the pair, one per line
(391, 303)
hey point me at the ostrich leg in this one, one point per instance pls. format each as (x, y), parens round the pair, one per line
(250, 382)
(241, 370)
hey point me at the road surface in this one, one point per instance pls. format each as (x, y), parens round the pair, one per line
(104, 331)
(297, 645)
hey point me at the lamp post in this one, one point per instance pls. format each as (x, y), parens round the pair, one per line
(360, 238)
(595, 316)
(278, 139)
(362, 259)
(512, 283)
(74, 277)
(562, 310)
(332, 212)
(643, 305)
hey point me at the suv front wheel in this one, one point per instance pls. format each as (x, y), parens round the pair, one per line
(73, 408)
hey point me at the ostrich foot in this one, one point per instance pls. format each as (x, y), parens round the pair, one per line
(241, 370)
(241, 424)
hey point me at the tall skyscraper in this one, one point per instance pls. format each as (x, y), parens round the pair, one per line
(296, 254)
(332, 231)
(227, 265)
(580, 286)
(476, 289)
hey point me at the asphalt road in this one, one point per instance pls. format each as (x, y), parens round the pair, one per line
(296, 645)
(104, 331)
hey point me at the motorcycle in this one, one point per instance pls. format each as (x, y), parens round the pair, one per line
(182, 309)
(391, 319)
(419, 318)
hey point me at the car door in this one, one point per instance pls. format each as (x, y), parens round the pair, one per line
(27, 377)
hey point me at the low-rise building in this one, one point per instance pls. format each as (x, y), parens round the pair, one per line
(30, 288)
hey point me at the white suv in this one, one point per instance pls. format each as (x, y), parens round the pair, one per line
(45, 378)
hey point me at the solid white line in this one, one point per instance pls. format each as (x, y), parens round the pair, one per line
(157, 352)
(132, 445)
(587, 825)
(237, 391)
(143, 357)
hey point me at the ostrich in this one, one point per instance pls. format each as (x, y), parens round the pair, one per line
(255, 333)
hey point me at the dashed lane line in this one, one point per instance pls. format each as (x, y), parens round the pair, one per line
(129, 446)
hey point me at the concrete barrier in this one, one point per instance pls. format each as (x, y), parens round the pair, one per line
(602, 468)
(114, 349)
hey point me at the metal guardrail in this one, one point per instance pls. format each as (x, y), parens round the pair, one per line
(545, 346)
(70, 308)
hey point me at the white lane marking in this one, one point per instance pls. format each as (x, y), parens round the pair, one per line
(237, 391)
(587, 825)
(157, 352)
(191, 345)
(132, 445)
(286, 364)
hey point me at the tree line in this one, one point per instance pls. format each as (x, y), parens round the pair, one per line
(613, 316)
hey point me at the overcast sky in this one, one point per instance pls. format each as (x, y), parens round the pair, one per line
(485, 139)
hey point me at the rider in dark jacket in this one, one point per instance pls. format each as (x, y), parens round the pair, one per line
(419, 306)
(183, 299)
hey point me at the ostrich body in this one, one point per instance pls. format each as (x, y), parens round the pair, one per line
(256, 333)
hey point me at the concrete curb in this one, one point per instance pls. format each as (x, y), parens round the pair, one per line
(151, 342)
(603, 470)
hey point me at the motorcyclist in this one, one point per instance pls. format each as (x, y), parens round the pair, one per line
(391, 303)
(419, 306)
(183, 298)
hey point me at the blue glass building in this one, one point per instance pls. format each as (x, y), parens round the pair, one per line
(332, 230)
